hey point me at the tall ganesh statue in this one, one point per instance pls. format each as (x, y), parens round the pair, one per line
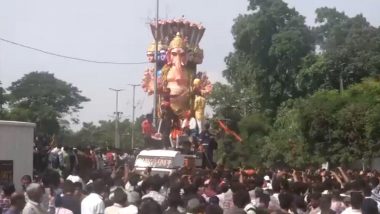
(181, 89)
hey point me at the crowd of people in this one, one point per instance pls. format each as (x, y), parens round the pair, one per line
(103, 181)
(119, 189)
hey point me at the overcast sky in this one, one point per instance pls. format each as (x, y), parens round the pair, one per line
(117, 30)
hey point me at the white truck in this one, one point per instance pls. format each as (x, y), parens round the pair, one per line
(163, 161)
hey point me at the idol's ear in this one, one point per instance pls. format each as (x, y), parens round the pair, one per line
(168, 57)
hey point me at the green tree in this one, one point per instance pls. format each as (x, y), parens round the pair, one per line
(225, 102)
(328, 126)
(2, 102)
(253, 129)
(349, 50)
(104, 134)
(301, 88)
(270, 43)
(41, 98)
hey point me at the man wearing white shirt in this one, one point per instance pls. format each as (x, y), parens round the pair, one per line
(189, 123)
(356, 204)
(225, 199)
(93, 203)
(153, 188)
(119, 199)
(133, 200)
(131, 209)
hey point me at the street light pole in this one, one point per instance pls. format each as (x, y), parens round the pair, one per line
(117, 133)
(133, 115)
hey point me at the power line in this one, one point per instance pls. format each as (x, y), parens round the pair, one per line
(70, 57)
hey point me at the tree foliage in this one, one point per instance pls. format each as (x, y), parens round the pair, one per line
(330, 126)
(41, 98)
(104, 134)
(303, 84)
(270, 43)
(2, 102)
(349, 51)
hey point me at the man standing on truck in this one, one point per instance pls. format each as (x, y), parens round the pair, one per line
(208, 145)
(147, 130)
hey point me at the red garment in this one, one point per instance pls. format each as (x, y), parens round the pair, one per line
(209, 192)
(146, 128)
(176, 133)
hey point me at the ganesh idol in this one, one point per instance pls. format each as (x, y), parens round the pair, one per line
(180, 88)
(176, 77)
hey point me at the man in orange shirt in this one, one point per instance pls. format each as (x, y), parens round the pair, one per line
(147, 130)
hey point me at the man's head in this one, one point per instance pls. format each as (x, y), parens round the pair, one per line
(213, 209)
(18, 201)
(51, 178)
(99, 186)
(149, 206)
(286, 200)
(8, 189)
(214, 200)
(241, 198)
(78, 189)
(264, 200)
(119, 196)
(188, 114)
(25, 181)
(174, 200)
(356, 200)
(325, 203)
(194, 205)
(314, 199)
(373, 182)
(68, 187)
(149, 117)
(155, 183)
(35, 192)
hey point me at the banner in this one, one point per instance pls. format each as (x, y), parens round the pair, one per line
(229, 131)
(154, 162)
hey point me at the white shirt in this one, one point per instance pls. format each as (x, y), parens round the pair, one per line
(115, 208)
(155, 196)
(274, 202)
(349, 210)
(75, 178)
(61, 210)
(225, 200)
(192, 123)
(32, 207)
(131, 209)
(92, 204)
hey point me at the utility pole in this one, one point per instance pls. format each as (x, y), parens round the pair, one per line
(155, 101)
(117, 133)
(133, 115)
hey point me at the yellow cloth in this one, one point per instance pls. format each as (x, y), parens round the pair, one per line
(199, 107)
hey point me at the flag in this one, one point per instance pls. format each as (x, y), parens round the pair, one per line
(229, 131)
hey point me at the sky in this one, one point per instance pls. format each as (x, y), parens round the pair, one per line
(117, 31)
